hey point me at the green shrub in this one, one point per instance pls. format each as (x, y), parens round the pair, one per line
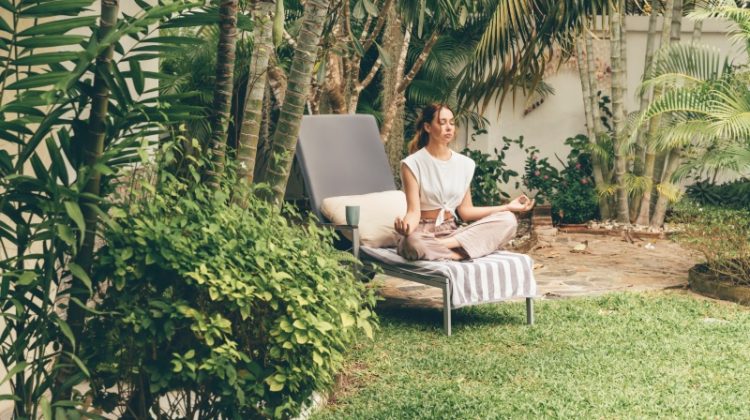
(722, 235)
(735, 194)
(231, 308)
(570, 191)
(489, 173)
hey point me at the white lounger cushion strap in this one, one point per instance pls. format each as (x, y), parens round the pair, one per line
(496, 277)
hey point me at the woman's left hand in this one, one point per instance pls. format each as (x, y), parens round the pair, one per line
(520, 204)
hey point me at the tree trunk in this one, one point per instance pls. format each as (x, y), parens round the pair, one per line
(397, 41)
(675, 35)
(660, 210)
(667, 161)
(284, 141)
(588, 112)
(256, 88)
(93, 149)
(605, 209)
(644, 97)
(650, 162)
(618, 111)
(223, 89)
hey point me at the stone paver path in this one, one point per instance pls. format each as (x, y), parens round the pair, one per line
(609, 264)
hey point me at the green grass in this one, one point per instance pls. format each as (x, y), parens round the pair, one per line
(623, 355)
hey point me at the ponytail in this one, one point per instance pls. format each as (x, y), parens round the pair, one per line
(419, 140)
(422, 137)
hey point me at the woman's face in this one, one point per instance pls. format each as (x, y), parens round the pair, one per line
(443, 126)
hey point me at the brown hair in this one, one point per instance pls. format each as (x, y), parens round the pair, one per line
(421, 137)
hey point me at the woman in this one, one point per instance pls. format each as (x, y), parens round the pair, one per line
(436, 181)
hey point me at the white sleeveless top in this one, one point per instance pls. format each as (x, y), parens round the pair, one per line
(442, 183)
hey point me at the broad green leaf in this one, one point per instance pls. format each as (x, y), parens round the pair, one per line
(192, 20)
(74, 211)
(79, 273)
(57, 7)
(5, 4)
(65, 329)
(50, 41)
(79, 363)
(19, 108)
(38, 80)
(4, 26)
(346, 320)
(26, 278)
(59, 27)
(46, 409)
(137, 76)
(58, 169)
(371, 9)
(18, 367)
(64, 233)
(177, 40)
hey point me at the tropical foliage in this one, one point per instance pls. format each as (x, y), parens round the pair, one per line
(223, 310)
(73, 117)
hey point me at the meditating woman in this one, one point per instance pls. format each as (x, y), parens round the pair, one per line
(437, 183)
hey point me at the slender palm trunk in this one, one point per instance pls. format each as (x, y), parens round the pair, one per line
(284, 141)
(644, 97)
(618, 111)
(672, 158)
(605, 209)
(256, 88)
(93, 149)
(650, 161)
(588, 112)
(222, 103)
(668, 161)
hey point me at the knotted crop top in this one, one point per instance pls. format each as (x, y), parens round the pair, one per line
(442, 183)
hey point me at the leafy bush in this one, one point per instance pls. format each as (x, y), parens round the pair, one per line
(489, 172)
(540, 175)
(735, 194)
(226, 310)
(570, 191)
(722, 235)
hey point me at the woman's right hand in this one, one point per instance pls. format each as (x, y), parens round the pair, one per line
(402, 227)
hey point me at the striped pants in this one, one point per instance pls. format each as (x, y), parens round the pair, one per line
(478, 239)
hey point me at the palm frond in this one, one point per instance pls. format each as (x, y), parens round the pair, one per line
(669, 190)
(683, 65)
(637, 185)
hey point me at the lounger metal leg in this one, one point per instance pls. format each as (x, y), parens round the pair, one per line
(447, 308)
(355, 242)
(529, 311)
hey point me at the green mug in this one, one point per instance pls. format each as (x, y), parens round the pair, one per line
(352, 215)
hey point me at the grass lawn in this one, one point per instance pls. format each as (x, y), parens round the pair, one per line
(664, 354)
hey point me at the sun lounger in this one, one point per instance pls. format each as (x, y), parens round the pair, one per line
(342, 155)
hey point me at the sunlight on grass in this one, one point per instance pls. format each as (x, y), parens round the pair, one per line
(622, 355)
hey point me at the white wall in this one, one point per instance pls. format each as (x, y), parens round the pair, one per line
(561, 115)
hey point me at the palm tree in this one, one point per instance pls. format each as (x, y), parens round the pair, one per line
(284, 141)
(224, 87)
(247, 144)
(705, 108)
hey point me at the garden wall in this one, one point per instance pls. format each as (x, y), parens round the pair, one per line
(561, 115)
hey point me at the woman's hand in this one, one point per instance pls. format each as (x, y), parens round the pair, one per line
(520, 204)
(402, 227)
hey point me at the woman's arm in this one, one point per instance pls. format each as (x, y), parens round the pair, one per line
(469, 213)
(410, 221)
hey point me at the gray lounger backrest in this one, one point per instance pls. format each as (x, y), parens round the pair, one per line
(341, 155)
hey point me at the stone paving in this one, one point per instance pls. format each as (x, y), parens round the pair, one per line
(607, 264)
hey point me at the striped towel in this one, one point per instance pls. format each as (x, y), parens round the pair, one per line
(499, 276)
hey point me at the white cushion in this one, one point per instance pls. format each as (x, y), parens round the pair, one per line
(377, 211)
